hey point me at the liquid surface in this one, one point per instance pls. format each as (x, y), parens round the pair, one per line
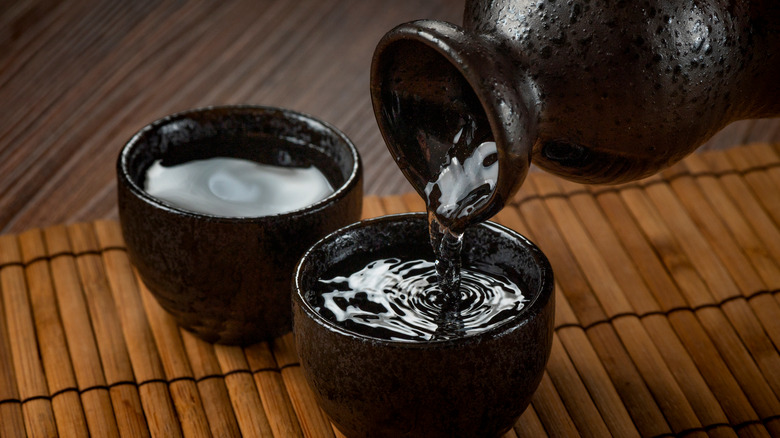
(458, 190)
(400, 300)
(234, 187)
(465, 180)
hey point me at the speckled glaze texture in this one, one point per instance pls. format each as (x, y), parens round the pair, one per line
(476, 386)
(597, 91)
(228, 279)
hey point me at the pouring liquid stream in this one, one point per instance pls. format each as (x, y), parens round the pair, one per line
(407, 298)
(465, 181)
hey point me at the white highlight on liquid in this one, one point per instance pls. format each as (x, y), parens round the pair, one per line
(234, 187)
(405, 291)
(456, 180)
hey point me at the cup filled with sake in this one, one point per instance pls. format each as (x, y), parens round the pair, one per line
(218, 204)
(389, 354)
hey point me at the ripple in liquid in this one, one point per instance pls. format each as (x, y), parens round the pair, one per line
(400, 300)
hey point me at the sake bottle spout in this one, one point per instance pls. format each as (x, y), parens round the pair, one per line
(440, 92)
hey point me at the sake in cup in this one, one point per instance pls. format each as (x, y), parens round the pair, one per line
(227, 277)
(379, 382)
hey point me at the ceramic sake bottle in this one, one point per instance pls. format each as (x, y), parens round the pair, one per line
(596, 91)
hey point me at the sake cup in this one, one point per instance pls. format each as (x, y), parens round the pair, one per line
(476, 385)
(227, 279)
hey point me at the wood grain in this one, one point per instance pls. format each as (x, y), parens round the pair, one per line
(78, 78)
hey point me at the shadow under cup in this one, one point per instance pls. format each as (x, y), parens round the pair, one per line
(228, 279)
(476, 385)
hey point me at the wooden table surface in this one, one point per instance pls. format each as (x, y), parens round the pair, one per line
(78, 78)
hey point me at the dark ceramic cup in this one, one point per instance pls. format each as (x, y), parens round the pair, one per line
(228, 279)
(475, 386)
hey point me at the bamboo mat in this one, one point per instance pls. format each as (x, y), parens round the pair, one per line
(668, 321)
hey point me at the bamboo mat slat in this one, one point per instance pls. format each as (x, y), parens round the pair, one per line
(667, 321)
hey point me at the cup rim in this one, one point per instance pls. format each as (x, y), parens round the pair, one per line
(352, 180)
(535, 306)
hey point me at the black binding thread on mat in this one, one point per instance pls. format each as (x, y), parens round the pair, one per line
(50, 257)
(641, 184)
(146, 382)
(595, 192)
(682, 433)
(670, 311)
(709, 427)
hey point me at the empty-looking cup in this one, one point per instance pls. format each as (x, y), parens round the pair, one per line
(400, 379)
(226, 277)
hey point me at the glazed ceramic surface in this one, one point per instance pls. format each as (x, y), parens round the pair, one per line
(477, 385)
(595, 91)
(228, 279)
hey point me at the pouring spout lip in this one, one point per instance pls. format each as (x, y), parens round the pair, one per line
(505, 94)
